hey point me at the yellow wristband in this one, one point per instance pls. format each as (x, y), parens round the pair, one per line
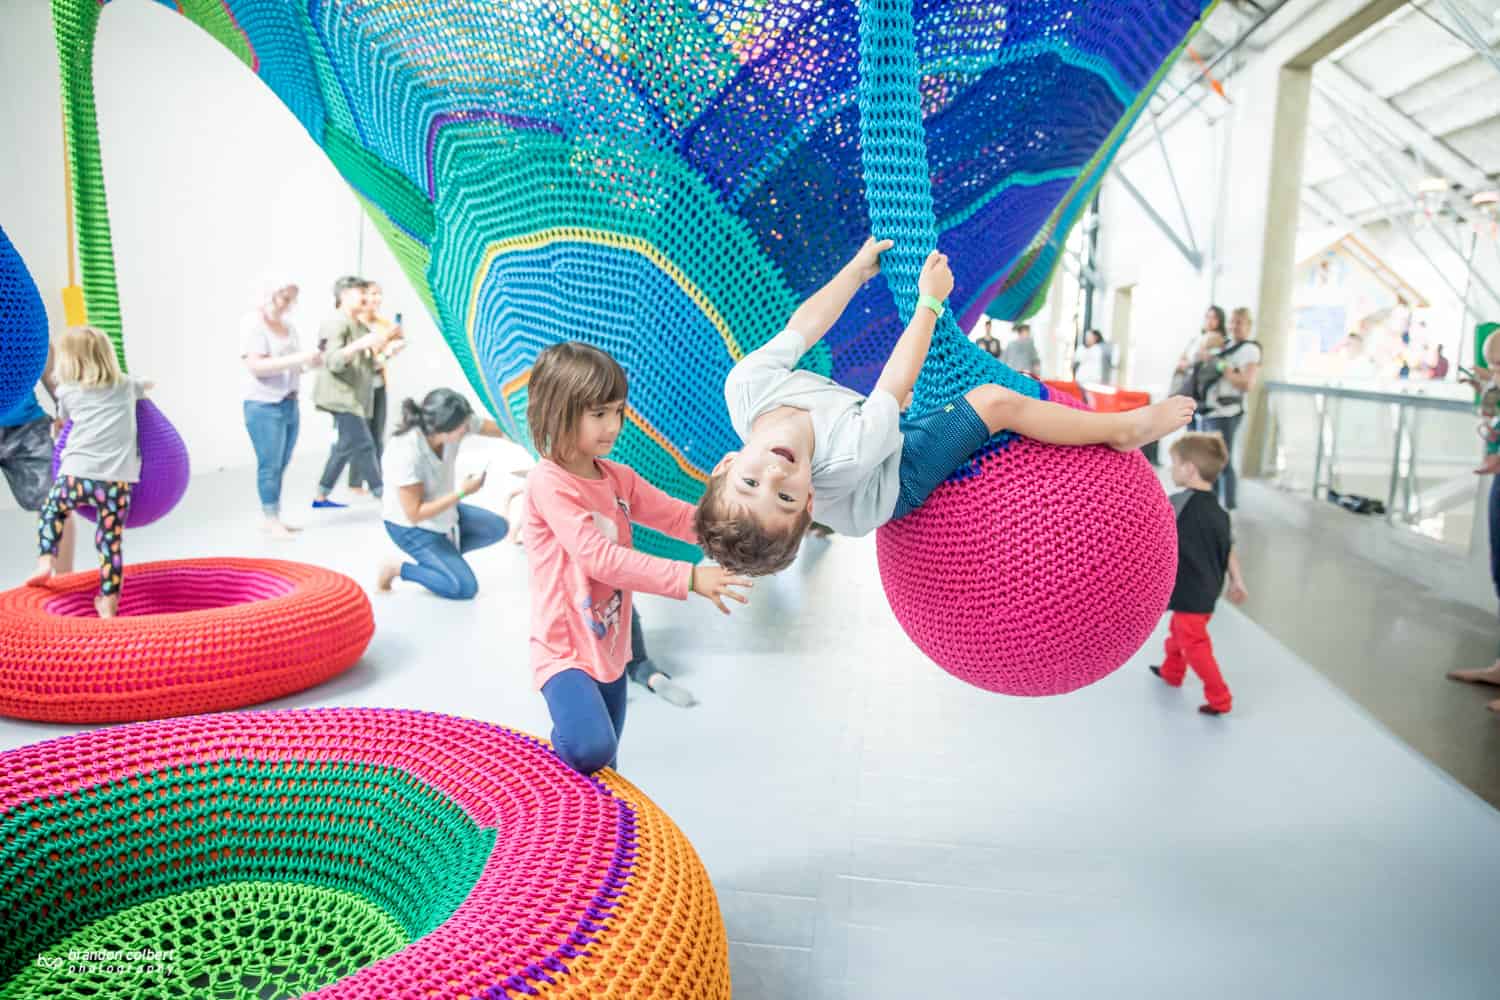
(930, 303)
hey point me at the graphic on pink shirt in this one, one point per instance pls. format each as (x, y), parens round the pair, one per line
(602, 620)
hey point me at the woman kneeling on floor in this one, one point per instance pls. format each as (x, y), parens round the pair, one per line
(424, 514)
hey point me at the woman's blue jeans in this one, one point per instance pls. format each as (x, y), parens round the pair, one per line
(440, 565)
(273, 431)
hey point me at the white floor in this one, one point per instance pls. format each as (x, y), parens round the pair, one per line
(877, 829)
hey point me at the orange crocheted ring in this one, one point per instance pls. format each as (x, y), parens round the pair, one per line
(192, 636)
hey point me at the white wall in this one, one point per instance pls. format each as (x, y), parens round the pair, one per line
(1169, 297)
(211, 183)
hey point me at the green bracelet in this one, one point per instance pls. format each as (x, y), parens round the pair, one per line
(458, 496)
(692, 577)
(930, 303)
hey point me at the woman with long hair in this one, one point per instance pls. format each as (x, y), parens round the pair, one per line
(424, 512)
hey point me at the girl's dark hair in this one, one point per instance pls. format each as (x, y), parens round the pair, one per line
(1218, 315)
(441, 411)
(567, 379)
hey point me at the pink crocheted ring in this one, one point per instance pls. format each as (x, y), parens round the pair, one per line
(1042, 573)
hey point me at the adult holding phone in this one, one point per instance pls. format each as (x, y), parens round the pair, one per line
(274, 362)
(424, 513)
(375, 322)
(346, 388)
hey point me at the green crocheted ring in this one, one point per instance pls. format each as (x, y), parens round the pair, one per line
(354, 852)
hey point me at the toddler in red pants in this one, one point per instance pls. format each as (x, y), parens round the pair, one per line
(1205, 554)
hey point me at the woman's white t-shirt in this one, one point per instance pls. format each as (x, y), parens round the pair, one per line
(1092, 362)
(410, 460)
(258, 338)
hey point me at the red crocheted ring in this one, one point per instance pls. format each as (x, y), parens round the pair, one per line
(192, 636)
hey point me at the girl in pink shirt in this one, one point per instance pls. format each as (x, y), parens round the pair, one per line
(579, 510)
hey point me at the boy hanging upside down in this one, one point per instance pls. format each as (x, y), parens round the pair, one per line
(865, 461)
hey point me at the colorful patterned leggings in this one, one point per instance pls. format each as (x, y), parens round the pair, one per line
(110, 501)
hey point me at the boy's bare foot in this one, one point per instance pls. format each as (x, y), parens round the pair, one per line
(1151, 423)
(387, 575)
(107, 605)
(46, 568)
(1494, 706)
(1486, 675)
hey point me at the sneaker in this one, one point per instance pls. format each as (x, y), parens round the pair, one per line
(1210, 710)
(1157, 671)
(326, 504)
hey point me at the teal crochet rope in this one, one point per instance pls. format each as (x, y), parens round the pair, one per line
(898, 191)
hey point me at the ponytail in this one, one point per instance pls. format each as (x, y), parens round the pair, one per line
(411, 416)
(440, 411)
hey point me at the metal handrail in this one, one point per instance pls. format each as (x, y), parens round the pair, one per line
(1417, 399)
(1404, 444)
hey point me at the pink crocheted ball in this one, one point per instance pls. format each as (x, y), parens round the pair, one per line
(1042, 573)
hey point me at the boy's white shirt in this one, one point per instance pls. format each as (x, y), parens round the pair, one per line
(856, 461)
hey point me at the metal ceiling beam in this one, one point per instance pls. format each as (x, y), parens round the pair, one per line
(1391, 22)
(1401, 220)
(1468, 20)
(1325, 207)
(1431, 71)
(1190, 254)
(1226, 51)
(1350, 92)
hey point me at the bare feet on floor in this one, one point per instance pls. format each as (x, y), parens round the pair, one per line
(1486, 675)
(1154, 422)
(387, 576)
(46, 568)
(107, 605)
(277, 529)
(1494, 706)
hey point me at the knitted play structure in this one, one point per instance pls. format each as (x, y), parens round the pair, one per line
(23, 329)
(667, 181)
(193, 635)
(165, 467)
(360, 853)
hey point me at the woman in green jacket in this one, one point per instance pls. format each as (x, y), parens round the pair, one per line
(346, 388)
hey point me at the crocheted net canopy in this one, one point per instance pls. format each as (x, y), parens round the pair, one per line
(354, 852)
(668, 180)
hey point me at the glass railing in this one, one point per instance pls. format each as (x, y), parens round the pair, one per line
(1412, 451)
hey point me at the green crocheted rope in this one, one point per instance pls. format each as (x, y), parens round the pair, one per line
(76, 26)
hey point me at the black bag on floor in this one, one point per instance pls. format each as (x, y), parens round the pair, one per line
(1355, 503)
